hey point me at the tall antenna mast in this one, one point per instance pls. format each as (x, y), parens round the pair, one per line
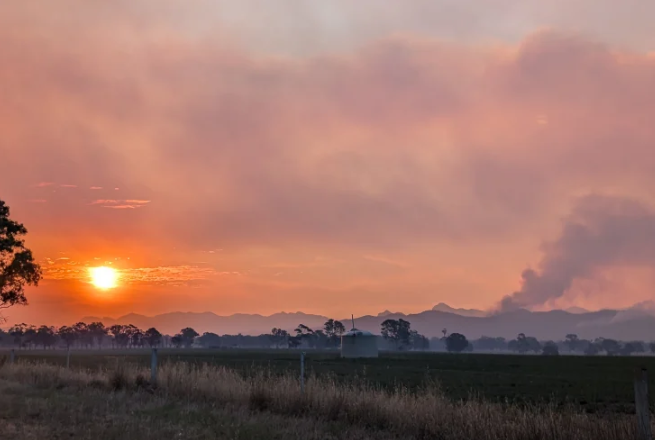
(353, 319)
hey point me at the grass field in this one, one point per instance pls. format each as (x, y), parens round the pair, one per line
(38, 401)
(593, 384)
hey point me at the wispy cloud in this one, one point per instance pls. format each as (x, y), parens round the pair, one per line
(43, 184)
(38, 200)
(105, 202)
(67, 269)
(95, 187)
(67, 185)
(121, 204)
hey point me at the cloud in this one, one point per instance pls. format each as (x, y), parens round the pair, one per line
(406, 147)
(67, 186)
(95, 188)
(105, 202)
(602, 232)
(120, 204)
(68, 269)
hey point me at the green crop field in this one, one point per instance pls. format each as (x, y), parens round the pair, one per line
(594, 384)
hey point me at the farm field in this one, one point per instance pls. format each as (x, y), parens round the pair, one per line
(592, 384)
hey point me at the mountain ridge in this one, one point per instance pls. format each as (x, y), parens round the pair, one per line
(553, 324)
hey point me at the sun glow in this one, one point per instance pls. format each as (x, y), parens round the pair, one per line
(104, 277)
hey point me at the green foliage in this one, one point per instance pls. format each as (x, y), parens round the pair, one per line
(17, 266)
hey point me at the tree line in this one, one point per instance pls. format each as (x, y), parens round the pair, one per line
(524, 344)
(394, 335)
(95, 334)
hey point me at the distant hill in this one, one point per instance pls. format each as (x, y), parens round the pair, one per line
(388, 313)
(171, 323)
(618, 324)
(441, 307)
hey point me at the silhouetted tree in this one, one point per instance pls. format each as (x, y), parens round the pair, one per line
(456, 342)
(209, 340)
(638, 346)
(17, 266)
(152, 337)
(97, 332)
(306, 334)
(652, 347)
(279, 337)
(136, 336)
(188, 335)
(29, 337)
(333, 330)
(592, 349)
(177, 340)
(396, 331)
(550, 349)
(83, 334)
(632, 347)
(418, 342)
(68, 335)
(121, 335)
(572, 342)
(609, 346)
(320, 339)
(486, 343)
(17, 332)
(524, 344)
(45, 336)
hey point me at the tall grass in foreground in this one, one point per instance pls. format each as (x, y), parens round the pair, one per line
(426, 414)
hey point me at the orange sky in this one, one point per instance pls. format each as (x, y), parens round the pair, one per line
(328, 157)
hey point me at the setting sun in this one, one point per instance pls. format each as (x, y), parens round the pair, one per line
(104, 277)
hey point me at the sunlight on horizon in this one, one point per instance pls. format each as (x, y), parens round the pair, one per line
(104, 277)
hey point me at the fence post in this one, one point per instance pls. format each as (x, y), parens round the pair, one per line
(153, 366)
(68, 357)
(12, 356)
(641, 404)
(302, 372)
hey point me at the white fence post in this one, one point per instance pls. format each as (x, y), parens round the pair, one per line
(302, 372)
(68, 358)
(153, 366)
(641, 405)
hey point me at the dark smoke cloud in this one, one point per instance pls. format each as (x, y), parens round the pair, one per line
(602, 231)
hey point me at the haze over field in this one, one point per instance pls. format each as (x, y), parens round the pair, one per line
(332, 157)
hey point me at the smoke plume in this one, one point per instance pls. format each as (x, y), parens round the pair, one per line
(602, 231)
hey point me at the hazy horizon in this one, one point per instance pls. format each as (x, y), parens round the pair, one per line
(333, 158)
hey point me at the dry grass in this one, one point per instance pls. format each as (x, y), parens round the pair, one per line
(362, 412)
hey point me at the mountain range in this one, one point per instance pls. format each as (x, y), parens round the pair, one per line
(635, 323)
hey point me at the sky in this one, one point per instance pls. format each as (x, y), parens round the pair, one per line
(330, 157)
